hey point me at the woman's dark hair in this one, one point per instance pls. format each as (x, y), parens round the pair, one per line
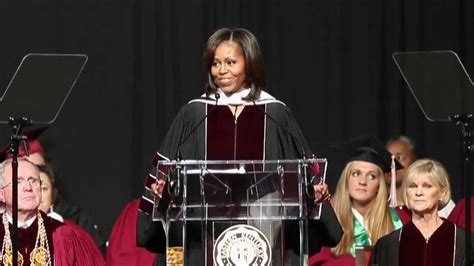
(48, 170)
(254, 73)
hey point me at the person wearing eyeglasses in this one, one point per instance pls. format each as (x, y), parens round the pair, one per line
(42, 240)
(63, 210)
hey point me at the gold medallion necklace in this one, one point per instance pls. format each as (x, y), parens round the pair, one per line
(39, 256)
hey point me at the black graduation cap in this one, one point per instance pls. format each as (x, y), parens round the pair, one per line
(368, 149)
(34, 146)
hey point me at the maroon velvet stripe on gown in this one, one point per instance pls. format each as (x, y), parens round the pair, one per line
(235, 139)
(226, 139)
(414, 249)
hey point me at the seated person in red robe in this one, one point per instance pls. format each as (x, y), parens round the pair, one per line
(122, 248)
(49, 192)
(66, 210)
(42, 240)
(49, 196)
(458, 215)
(428, 239)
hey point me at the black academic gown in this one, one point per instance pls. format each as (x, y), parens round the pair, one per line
(264, 130)
(408, 245)
(283, 137)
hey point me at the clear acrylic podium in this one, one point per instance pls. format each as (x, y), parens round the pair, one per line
(239, 212)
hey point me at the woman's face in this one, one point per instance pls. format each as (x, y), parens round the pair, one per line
(228, 67)
(364, 179)
(423, 195)
(47, 193)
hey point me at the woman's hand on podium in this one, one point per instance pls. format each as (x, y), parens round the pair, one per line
(157, 188)
(321, 193)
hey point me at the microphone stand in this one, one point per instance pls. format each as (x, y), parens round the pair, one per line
(174, 187)
(463, 121)
(301, 153)
(173, 182)
(299, 148)
(17, 126)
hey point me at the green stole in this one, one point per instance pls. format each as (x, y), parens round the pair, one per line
(361, 238)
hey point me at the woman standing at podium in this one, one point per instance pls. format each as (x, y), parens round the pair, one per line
(235, 119)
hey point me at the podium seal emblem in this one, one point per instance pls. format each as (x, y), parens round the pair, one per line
(242, 245)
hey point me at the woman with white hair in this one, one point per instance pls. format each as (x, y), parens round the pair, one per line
(428, 239)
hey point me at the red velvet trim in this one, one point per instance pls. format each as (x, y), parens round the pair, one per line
(458, 214)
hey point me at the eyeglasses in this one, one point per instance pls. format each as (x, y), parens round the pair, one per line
(33, 181)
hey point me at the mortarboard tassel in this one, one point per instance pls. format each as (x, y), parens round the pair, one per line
(393, 185)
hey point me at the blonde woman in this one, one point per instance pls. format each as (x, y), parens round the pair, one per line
(360, 202)
(428, 239)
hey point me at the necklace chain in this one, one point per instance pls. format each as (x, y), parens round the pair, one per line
(39, 256)
(428, 233)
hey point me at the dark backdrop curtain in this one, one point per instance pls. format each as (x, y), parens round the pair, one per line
(330, 61)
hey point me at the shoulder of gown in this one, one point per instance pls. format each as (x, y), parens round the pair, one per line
(74, 246)
(385, 251)
(283, 132)
(122, 248)
(82, 218)
(184, 122)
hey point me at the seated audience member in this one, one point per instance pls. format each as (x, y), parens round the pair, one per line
(49, 193)
(63, 208)
(360, 201)
(404, 150)
(42, 240)
(428, 239)
(458, 215)
(122, 248)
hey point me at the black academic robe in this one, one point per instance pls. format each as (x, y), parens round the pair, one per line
(407, 247)
(283, 137)
(265, 130)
